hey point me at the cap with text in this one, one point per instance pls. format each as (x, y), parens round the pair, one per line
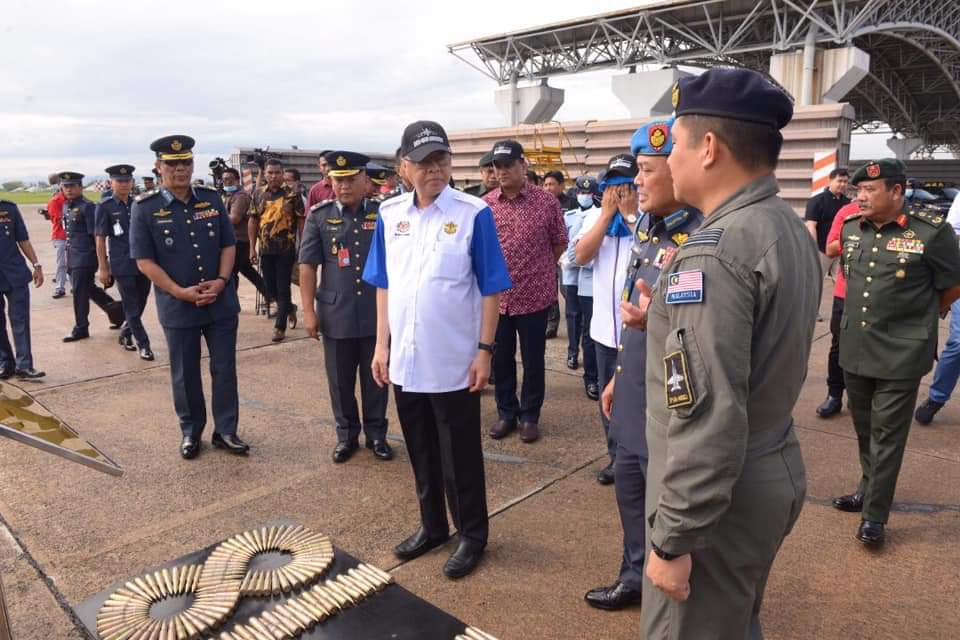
(422, 138)
(506, 152)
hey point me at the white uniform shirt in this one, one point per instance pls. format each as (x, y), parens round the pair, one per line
(437, 264)
(609, 273)
(953, 216)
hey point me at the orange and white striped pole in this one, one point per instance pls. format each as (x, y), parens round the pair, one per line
(823, 163)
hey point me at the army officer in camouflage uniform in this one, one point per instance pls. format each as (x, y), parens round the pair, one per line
(729, 328)
(336, 237)
(664, 227)
(903, 270)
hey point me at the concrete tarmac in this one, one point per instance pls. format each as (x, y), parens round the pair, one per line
(67, 532)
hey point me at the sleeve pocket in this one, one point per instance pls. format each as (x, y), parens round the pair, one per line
(686, 383)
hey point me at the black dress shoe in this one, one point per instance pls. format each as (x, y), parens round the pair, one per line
(380, 449)
(616, 596)
(292, 317)
(502, 428)
(6, 374)
(870, 532)
(605, 475)
(551, 333)
(464, 560)
(593, 391)
(146, 354)
(126, 341)
(927, 409)
(77, 334)
(58, 294)
(852, 502)
(830, 407)
(189, 447)
(344, 451)
(572, 362)
(417, 545)
(29, 374)
(231, 443)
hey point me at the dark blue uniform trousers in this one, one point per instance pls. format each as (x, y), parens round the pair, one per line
(342, 358)
(188, 400)
(134, 291)
(85, 290)
(630, 482)
(607, 368)
(19, 300)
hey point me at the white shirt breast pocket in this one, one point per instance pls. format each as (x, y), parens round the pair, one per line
(450, 261)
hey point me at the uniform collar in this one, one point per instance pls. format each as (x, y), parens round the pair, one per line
(442, 201)
(168, 197)
(754, 191)
(360, 208)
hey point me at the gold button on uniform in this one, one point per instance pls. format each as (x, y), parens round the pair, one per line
(619, 368)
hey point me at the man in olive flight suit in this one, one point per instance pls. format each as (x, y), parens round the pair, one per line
(337, 237)
(903, 269)
(729, 328)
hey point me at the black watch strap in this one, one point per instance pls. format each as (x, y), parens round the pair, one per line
(483, 346)
(663, 555)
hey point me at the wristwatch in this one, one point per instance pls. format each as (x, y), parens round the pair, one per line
(37, 266)
(225, 280)
(483, 346)
(663, 555)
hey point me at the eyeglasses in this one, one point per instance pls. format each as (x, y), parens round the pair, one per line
(178, 163)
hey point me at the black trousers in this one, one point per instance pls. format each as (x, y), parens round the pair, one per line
(85, 290)
(574, 318)
(607, 367)
(277, 270)
(630, 473)
(590, 375)
(188, 400)
(243, 265)
(442, 434)
(835, 384)
(134, 291)
(531, 329)
(342, 358)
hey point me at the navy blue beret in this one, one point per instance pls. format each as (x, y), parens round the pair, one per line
(739, 94)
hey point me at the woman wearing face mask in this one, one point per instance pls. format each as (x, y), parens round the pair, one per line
(577, 284)
(237, 203)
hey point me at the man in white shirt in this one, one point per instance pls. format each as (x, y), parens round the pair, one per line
(604, 242)
(440, 250)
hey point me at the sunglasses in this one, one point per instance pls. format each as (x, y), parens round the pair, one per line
(178, 163)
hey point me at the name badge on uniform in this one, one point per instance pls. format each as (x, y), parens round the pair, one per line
(343, 257)
(905, 245)
(685, 287)
(676, 380)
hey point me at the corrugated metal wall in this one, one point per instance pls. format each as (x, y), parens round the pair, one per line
(586, 146)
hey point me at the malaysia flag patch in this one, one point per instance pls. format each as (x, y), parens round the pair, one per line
(685, 287)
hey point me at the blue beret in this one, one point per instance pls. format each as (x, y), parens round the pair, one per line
(739, 94)
(653, 139)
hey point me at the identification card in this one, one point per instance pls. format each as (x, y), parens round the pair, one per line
(343, 257)
(117, 228)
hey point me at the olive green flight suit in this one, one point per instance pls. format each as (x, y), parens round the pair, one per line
(888, 335)
(725, 366)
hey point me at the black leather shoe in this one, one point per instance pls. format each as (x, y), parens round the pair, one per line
(380, 449)
(59, 293)
(593, 391)
(927, 409)
(126, 341)
(830, 407)
(616, 596)
(292, 317)
(76, 334)
(605, 475)
(572, 362)
(464, 560)
(189, 447)
(852, 503)
(146, 354)
(6, 374)
(551, 333)
(502, 428)
(231, 443)
(29, 374)
(417, 545)
(870, 532)
(344, 451)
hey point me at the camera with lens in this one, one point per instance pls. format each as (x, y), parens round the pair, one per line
(217, 167)
(259, 156)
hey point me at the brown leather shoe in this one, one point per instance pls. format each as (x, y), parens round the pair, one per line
(502, 428)
(529, 432)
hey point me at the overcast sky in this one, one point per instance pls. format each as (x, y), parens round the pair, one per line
(87, 84)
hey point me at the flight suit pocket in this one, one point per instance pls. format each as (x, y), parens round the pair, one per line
(326, 296)
(685, 381)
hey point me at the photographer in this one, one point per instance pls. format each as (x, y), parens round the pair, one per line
(237, 203)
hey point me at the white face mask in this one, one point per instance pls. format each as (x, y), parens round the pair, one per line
(231, 188)
(585, 200)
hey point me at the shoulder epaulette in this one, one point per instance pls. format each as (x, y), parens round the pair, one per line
(853, 216)
(8, 202)
(204, 187)
(322, 203)
(930, 215)
(676, 219)
(709, 237)
(146, 194)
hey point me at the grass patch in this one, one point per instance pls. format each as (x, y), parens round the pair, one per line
(26, 197)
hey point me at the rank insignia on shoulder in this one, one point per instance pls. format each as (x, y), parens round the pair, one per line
(685, 287)
(143, 196)
(676, 381)
(201, 205)
(161, 213)
(676, 219)
(370, 216)
(679, 238)
(318, 205)
(450, 228)
(334, 220)
(704, 238)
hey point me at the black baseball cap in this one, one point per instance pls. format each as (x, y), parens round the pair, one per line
(622, 165)
(486, 160)
(422, 138)
(507, 152)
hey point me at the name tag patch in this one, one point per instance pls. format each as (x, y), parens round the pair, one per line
(685, 287)
(905, 245)
(676, 377)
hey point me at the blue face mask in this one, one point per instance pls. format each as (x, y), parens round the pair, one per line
(231, 188)
(585, 200)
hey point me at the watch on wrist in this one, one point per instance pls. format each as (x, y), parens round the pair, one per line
(663, 555)
(225, 280)
(36, 265)
(483, 346)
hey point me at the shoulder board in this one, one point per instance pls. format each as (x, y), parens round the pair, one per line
(709, 237)
(320, 204)
(853, 216)
(7, 202)
(147, 194)
(204, 187)
(107, 199)
(676, 219)
(933, 217)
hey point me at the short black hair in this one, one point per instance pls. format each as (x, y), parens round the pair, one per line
(839, 172)
(273, 162)
(533, 177)
(556, 175)
(753, 145)
(231, 170)
(294, 172)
